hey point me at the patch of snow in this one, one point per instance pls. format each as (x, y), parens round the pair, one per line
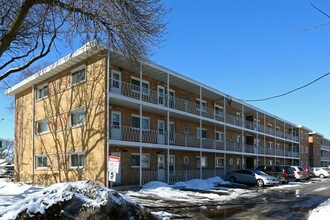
(321, 212)
(162, 215)
(201, 184)
(90, 193)
(154, 185)
(171, 193)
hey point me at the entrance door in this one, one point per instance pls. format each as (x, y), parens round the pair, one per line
(172, 99)
(160, 95)
(118, 175)
(171, 132)
(115, 125)
(161, 136)
(161, 167)
(115, 82)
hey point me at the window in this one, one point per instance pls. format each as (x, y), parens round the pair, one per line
(219, 162)
(231, 161)
(77, 160)
(186, 160)
(278, 146)
(218, 110)
(306, 150)
(270, 162)
(78, 76)
(270, 145)
(186, 129)
(203, 162)
(199, 131)
(135, 160)
(42, 91)
(301, 149)
(136, 122)
(78, 117)
(238, 163)
(238, 139)
(200, 103)
(219, 136)
(136, 85)
(42, 126)
(41, 161)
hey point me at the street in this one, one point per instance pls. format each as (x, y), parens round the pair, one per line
(280, 202)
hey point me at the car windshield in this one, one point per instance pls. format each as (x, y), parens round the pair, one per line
(259, 172)
(326, 168)
(301, 169)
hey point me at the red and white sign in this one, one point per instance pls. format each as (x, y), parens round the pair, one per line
(113, 164)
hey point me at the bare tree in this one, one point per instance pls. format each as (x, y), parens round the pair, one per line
(7, 150)
(30, 28)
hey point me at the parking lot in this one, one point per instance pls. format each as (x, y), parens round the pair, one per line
(284, 201)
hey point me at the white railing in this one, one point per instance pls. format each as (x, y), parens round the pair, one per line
(152, 96)
(324, 147)
(181, 175)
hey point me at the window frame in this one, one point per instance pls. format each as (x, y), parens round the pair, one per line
(78, 157)
(43, 157)
(43, 86)
(37, 126)
(143, 117)
(78, 70)
(83, 109)
(216, 113)
(217, 162)
(199, 163)
(198, 106)
(221, 134)
(138, 166)
(143, 82)
(186, 160)
(198, 133)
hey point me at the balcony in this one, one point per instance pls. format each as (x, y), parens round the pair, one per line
(125, 133)
(325, 158)
(152, 96)
(325, 147)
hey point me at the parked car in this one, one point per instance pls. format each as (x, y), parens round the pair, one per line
(254, 177)
(9, 171)
(285, 174)
(299, 173)
(309, 171)
(321, 172)
(2, 173)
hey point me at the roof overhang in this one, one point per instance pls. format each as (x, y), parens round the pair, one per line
(73, 58)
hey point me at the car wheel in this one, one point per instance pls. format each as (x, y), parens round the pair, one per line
(285, 182)
(260, 182)
(321, 176)
(232, 179)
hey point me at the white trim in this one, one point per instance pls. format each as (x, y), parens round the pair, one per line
(36, 161)
(77, 153)
(143, 117)
(42, 86)
(216, 164)
(78, 110)
(37, 126)
(199, 132)
(221, 133)
(143, 81)
(138, 154)
(78, 69)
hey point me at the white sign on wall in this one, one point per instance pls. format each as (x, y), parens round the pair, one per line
(113, 167)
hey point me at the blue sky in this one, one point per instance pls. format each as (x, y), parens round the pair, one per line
(248, 49)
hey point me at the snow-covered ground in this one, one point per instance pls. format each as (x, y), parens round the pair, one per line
(15, 197)
(321, 212)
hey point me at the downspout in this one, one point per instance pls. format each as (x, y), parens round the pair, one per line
(107, 118)
(33, 131)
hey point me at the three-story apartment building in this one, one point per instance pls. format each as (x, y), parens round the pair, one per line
(163, 125)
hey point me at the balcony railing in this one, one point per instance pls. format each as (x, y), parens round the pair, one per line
(152, 96)
(126, 133)
(326, 158)
(180, 175)
(324, 147)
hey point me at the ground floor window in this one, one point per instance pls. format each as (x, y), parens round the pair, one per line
(186, 160)
(41, 161)
(219, 162)
(202, 162)
(77, 160)
(135, 160)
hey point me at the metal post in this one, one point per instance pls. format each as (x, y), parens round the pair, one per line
(140, 104)
(200, 133)
(225, 135)
(107, 116)
(33, 130)
(168, 128)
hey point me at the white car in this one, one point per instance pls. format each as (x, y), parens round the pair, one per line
(299, 173)
(321, 172)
